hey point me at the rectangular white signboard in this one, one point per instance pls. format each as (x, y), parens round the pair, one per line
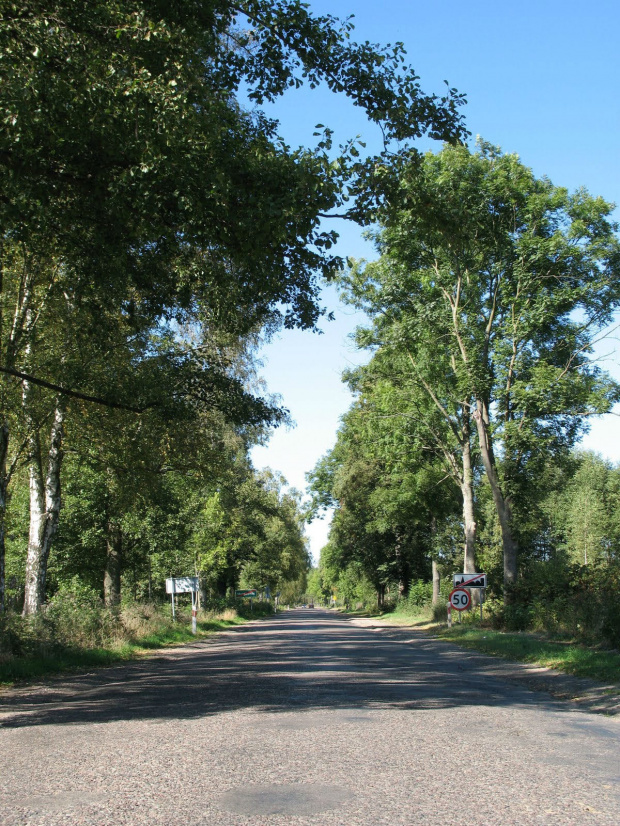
(478, 580)
(181, 584)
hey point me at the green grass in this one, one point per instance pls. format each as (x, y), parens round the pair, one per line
(71, 659)
(570, 657)
(183, 634)
(416, 617)
(33, 667)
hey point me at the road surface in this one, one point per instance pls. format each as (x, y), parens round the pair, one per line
(305, 718)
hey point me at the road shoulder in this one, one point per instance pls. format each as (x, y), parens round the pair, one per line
(583, 693)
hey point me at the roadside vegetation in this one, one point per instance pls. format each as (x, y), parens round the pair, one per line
(490, 294)
(564, 646)
(567, 655)
(155, 228)
(77, 631)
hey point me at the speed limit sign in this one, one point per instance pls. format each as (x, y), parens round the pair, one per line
(460, 599)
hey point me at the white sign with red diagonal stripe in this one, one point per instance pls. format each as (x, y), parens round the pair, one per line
(469, 580)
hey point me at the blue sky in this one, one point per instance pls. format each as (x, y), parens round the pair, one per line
(542, 79)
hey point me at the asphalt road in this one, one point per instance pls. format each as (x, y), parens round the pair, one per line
(303, 719)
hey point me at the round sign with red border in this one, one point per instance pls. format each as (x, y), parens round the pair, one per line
(460, 599)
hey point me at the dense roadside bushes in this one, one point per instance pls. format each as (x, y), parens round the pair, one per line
(77, 628)
(563, 600)
(581, 601)
(582, 604)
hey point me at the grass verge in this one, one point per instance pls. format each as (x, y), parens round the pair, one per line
(569, 657)
(61, 659)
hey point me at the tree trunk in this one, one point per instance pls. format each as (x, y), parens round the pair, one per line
(436, 581)
(404, 576)
(502, 505)
(44, 511)
(467, 491)
(4, 447)
(113, 564)
(469, 522)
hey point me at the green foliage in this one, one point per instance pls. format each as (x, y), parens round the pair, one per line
(125, 132)
(76, 618)
(420, 593)
(585, 518)
(152, 228)
(77, 631)
(353, 589)
(389, 496)
(293, 591)
(489, 292)
(316, 587)
(566, 600)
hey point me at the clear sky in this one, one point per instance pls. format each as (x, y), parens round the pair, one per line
(542, 79)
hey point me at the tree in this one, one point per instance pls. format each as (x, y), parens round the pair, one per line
(129, 164)
(513, 278)
(388, 494)
(126, 133)
(182, 379)
(281, 555)
(585, 511)
(416, 389)
(247, 531)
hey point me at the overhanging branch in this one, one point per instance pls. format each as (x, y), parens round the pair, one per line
(74, 394)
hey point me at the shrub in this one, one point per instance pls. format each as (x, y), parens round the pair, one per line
(517, 617)
(78, 617)
(420, 593)
(139, 619)
(12, 638)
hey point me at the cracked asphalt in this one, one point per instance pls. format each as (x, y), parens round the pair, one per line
(304, 718)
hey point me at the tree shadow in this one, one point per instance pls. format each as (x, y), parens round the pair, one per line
(298, 661)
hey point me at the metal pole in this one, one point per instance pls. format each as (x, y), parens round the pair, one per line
(194, 609)
(172, 598)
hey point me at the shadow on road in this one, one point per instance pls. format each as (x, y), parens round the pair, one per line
(300, 660)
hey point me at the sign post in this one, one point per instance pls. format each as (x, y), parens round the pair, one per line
(250, 593)
(470, 580)
(184, 585)
(194, 612)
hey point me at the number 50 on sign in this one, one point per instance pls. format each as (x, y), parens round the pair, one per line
(460, 599)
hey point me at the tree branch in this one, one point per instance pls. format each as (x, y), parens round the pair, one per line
(73, 393)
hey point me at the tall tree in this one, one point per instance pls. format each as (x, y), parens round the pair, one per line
(388, 491)
(127, 154)
(514, 278)
(585, 512)
(417, 391)
(125, 133)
